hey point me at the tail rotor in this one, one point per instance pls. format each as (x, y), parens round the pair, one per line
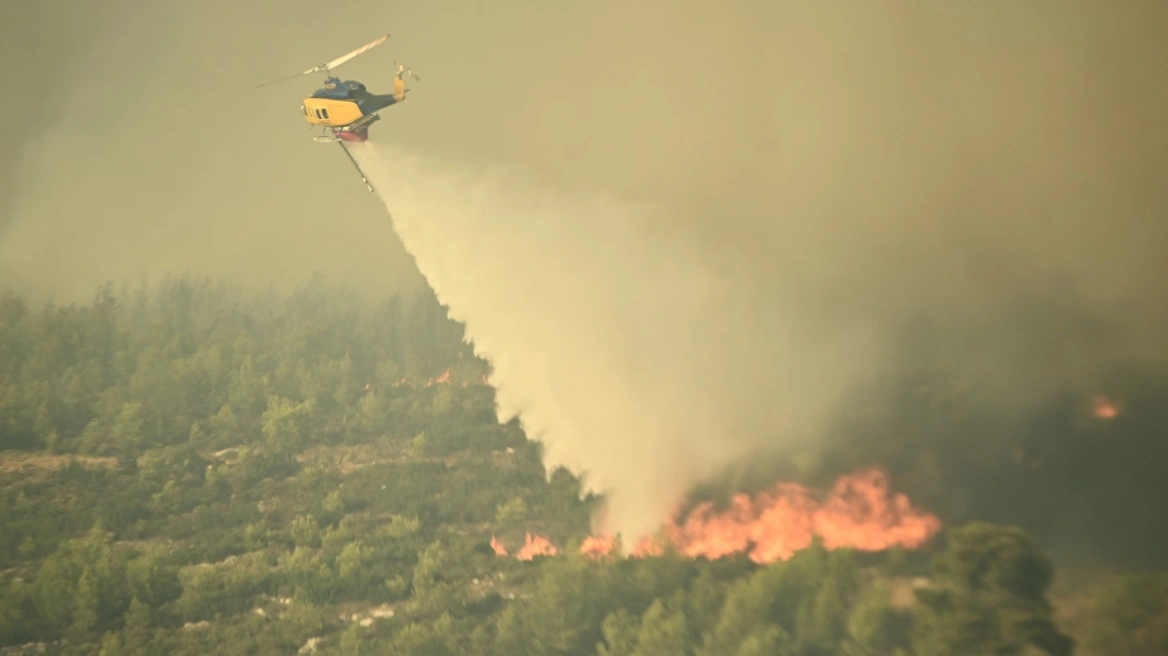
(399, 84)
(403, 70)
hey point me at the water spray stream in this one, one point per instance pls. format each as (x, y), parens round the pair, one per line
(636, 366)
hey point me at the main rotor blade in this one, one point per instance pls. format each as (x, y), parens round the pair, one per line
(330, 65)
(344, 58)
(285, 79)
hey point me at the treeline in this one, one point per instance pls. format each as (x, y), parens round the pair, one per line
(195, 359)
(192, 471)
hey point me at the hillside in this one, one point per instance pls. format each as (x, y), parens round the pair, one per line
(192, 470)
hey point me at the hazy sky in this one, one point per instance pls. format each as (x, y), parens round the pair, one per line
(1007, 128)
(158, 155)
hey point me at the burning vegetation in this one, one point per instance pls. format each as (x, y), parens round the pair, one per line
(1103, 407)
(859, 512)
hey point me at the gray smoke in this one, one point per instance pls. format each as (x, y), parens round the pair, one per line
(803, 187)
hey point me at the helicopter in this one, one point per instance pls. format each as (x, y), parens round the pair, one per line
(344, 109)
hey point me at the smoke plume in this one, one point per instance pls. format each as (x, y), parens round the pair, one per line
(784, 205)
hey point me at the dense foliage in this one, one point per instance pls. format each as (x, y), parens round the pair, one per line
(190, 471)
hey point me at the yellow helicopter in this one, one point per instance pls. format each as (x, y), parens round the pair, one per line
(346, 108)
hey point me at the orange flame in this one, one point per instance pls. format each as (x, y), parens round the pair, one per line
(1104, 408)
(536, 545)
(596, 546)
(440, 379)
(648, 547)
(859, 513)
(498, 547)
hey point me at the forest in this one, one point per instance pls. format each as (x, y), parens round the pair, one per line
(189, 469)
